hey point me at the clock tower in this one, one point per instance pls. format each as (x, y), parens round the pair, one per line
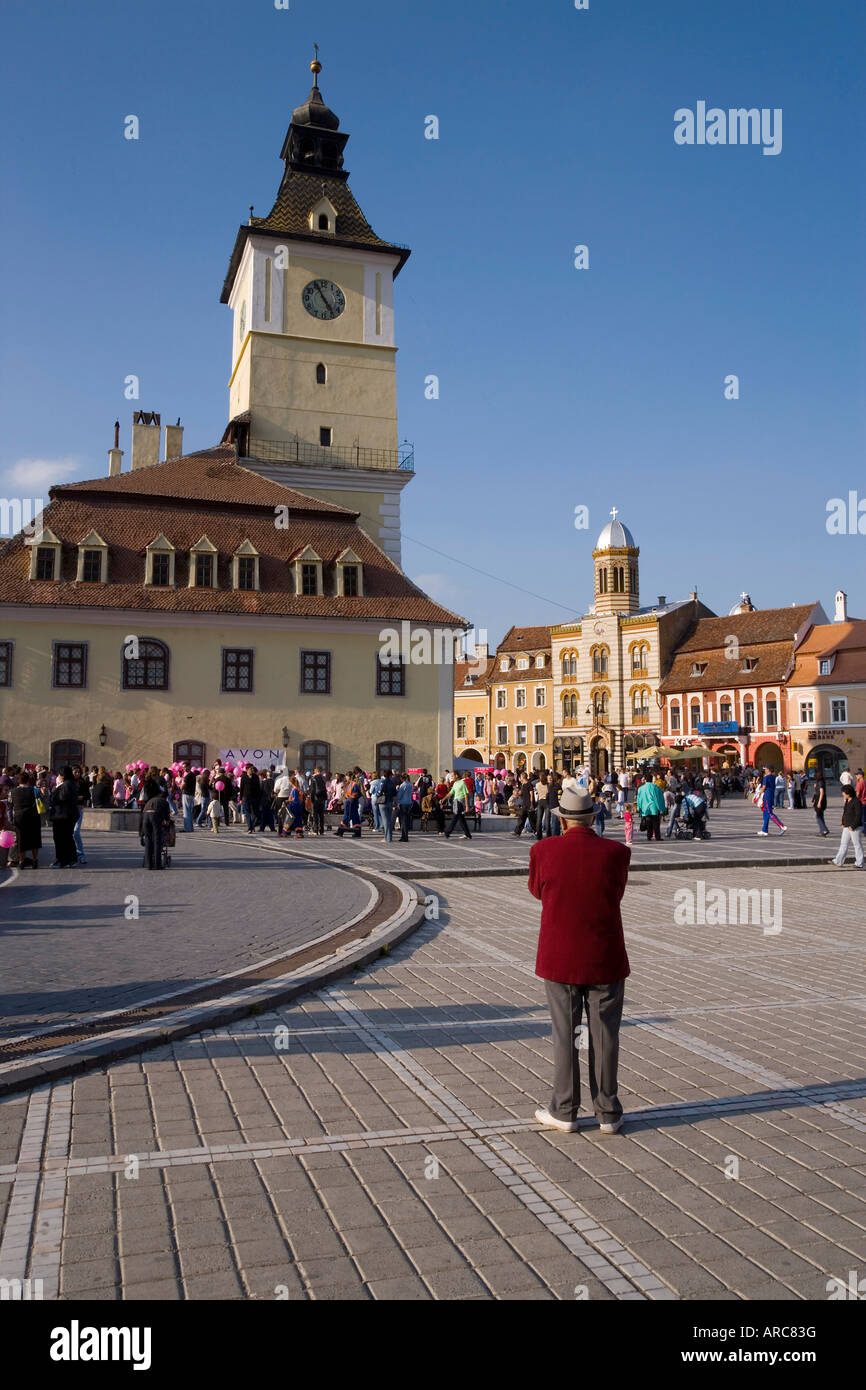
(312, 391)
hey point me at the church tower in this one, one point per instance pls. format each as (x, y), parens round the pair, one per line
(312, 392)
(617, 578)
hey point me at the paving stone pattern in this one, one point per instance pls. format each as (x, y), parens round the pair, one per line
(68, 949)
(389, 1151)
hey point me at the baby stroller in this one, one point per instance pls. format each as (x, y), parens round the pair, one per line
(167, 839)
(694, 823)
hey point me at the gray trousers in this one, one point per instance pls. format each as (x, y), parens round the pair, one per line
(602, 1007)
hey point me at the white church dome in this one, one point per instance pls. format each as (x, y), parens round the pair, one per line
(615, 536)
(743, 605)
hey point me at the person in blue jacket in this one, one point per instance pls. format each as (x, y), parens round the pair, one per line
(768, 802)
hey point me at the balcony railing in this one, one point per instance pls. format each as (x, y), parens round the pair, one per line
(333, 455)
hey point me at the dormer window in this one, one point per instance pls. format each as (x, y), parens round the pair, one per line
(523, 663)
(539, 660)
(698, 668)
(308, 573)
(349, 575)
(245, 567)
(159, 563)
(504, 664)
(45, 556)
(92, 560)
(825, 666)
(323, 217)
(749, 663)
(203, 565)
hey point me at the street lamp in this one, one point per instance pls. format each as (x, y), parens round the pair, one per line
(285, 737)
(103, 737)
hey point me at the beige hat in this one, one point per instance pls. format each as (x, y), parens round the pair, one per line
(575, 803)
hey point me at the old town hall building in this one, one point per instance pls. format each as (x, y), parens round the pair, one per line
(236, 596)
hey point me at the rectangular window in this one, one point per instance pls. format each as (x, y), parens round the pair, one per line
(391, 679)
(540, 697)
(539, 733)
(501, 698)
(309, 579)
(807, 712)
(501, 733)
(461, 727)
(725, 711)
(772, 714)
(246, 571)
(479, 726)
(6, 663)
(838, 711)
(325, 434)
(520, 733)
(695, 718)
(350, 581)
(675, 719)
(160, 569)
(70, 665)
(749, 714)
(237, 669)
(268, 274)
(520, 699)
(45, 562)
(824, 667)
(315, 673)
(91, 569)
(204, 571)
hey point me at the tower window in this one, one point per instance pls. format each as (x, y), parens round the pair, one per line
(325, 433)
(321, 374)
(323, 222)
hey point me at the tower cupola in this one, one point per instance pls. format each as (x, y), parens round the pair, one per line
(617, 578)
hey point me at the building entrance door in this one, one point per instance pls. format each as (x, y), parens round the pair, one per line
(599, 761)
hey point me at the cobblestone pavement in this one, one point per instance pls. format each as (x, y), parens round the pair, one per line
(68, 948)
(376, 1140)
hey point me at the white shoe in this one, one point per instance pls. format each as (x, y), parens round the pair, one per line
(612, 1128)
(544, 1117)
(782, 831)
(763, 832)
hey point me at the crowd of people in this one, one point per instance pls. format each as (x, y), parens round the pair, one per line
(294, 803)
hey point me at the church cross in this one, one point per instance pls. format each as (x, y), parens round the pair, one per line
(613, 512)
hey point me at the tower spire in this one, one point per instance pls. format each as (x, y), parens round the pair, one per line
(316, 67)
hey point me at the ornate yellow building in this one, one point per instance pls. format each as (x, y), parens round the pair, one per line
(607, 666)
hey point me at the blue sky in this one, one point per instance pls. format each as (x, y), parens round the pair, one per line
(558, 387)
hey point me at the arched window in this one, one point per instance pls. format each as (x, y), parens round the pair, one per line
(190, 751)
(695, 718)
(390, 757)
(323, 220)
(66, 752)
(146, 669)
(321, 374)
(599, 661)
(316, 754)
(602, 581)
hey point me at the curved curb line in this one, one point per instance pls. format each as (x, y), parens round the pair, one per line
(229, 1008)
(635, 867)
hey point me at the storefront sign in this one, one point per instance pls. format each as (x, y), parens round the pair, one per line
(722, 726)
(824, 733)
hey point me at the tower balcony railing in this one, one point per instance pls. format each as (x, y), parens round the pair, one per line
(333, 455)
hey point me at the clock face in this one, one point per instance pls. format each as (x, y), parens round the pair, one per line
(323, 299)
(599, 629)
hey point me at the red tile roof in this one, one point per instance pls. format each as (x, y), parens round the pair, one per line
(845, 642)
(208, 493)
(525, 639)
(764, 625)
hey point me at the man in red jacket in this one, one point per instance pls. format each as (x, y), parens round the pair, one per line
(580, 879)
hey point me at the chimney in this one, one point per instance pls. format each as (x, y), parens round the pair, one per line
(145, 438)
(174, 440)
(662, 601)
(116, 454)
(694, 596)
(481, 651)
(841, 607)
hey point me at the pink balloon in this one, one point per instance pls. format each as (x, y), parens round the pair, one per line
(220, 786)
